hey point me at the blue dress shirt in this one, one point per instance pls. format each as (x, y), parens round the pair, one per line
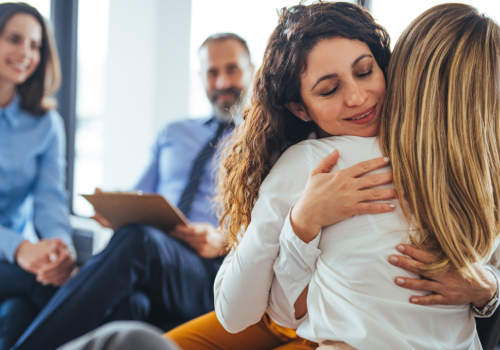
(32, 177)
(174, 152)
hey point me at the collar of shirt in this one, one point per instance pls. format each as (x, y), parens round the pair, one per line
(213, 122)
(11, 112)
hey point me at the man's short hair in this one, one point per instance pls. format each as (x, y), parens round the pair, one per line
(223, 37)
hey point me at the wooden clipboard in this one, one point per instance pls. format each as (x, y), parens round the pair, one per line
(134, 208)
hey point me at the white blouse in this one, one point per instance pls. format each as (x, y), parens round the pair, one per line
(352, 295)
(244, 280)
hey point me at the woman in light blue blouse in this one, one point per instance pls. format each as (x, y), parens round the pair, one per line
(32, 167)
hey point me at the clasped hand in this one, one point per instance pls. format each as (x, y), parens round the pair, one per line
(49, 259)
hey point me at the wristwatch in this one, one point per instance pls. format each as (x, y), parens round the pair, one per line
(485, 311)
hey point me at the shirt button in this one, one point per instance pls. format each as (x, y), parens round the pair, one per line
(310, 256)
(308, 269)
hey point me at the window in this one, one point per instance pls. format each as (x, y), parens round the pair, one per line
(128, 79)
(43, 6)
(93, 21)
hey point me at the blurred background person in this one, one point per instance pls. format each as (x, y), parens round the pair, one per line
(165, 278)
(121, 335)
(32, 168)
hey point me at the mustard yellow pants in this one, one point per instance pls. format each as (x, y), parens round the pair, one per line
(206, 333)
(335, 345)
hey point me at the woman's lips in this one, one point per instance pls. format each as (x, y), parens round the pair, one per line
(364, 120)
(19, 68)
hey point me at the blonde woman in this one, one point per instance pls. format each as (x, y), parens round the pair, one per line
(353, 301)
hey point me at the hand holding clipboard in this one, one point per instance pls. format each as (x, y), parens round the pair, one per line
(121, 209)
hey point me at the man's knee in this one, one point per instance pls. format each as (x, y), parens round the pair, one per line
(130, 238)
(138, 234)
(133, 232)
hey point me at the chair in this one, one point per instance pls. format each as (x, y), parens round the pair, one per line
(488, 330)
(83, 241)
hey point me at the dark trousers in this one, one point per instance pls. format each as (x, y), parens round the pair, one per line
(21, 299)
(140, 262)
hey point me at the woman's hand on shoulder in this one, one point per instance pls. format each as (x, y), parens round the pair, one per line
(332, 197)
(448, 289)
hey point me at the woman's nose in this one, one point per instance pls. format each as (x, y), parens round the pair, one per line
(23, 50)
(355, 96)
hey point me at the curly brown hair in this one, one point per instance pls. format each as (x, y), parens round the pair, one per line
(268, 127)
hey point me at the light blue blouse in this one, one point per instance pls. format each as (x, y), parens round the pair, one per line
(32, 177)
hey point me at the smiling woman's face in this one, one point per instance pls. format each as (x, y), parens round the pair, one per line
(20, 44)
(342, 89)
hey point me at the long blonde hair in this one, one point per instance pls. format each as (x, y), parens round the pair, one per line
(441, 128)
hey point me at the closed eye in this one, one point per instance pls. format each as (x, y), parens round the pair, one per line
(331, 92)
(366, 74)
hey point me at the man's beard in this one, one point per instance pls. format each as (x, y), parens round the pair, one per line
(223, 108)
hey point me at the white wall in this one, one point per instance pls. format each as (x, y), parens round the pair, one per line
(147, 76)
(173, 39)
(395, 17)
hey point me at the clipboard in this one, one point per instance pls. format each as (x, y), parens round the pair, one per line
(136, 208)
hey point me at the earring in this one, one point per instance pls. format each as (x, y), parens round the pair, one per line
(306, 118)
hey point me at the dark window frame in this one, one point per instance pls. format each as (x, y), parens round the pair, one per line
(367, 4)
(64, 17)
